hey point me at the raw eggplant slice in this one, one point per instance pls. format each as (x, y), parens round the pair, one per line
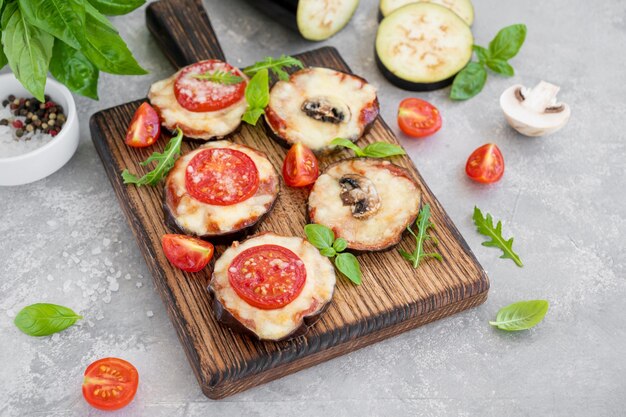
(463, 8)
(422, 46)
(316, 20)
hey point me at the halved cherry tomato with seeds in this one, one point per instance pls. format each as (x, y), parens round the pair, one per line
(145, 127)
(186, 252)
(110, 384)
(300, 167)
(485, 164)
(418, 118)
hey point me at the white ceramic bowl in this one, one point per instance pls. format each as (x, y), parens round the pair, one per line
(43, 161)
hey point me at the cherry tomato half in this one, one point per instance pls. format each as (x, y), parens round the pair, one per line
(145, 127)
(110, 384)
(300, 167)
(485, 164)
(186, 252)
(418, 118)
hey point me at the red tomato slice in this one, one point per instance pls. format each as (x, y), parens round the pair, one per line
(418, 118)
(221, 177)
(145, 127)
(300, 167)
(267, 276)
(200, 95)
(110, 384)
(485, 164)
(186, 252)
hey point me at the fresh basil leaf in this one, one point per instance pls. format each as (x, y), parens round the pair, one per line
(107, 50)
(501, 67)
(43, 319)
(521, 315)
(116, 7)
(94, 13)
(328, 252)
(319, 236)
(165, 161)
(484, 226)
(340, 244)
(481, 53)
(507, 42)
(28, 50)
(258, 96)
(348, 265)
(3, 57)
(347, 144)
(73, 69)
(63, 19)
(382, 150)
(469, 82)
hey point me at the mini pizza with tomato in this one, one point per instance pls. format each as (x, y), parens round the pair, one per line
(205, 100)
(368, 202)
(272, 286)
(221, 189)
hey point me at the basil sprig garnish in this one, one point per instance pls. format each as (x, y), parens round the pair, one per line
(521, 315)
(373, 150)
(323, 239)
(44, 319)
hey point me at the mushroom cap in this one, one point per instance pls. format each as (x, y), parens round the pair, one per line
(527, 120)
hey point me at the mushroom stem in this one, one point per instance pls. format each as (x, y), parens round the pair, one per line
(541, 97)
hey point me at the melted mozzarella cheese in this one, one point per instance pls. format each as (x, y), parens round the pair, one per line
(287, 97)
(195, 216)
(198, 125)
(278, 323)
(399, 197)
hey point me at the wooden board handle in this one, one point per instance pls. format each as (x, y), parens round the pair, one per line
(183, 31)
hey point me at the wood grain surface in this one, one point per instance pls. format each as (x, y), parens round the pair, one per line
(394, 297)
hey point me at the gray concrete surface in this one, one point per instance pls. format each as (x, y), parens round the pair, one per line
(64, 240)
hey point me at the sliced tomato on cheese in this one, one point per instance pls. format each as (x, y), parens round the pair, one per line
(187, 253)
(267, 276)
(221, 176)
(145, 127)
(198, 94)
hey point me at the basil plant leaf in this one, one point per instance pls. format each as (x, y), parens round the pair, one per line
(43, 319)
(340, 244)
(507, 42)
(382, 150)
(501, 67)
(73, 69)
(521, 315)
(116, 7)
(3, 57)
(28, 50)
(348, 265)
(469, 82)
(348, 144)
(258, 96)
(481, 53)
(328, 252)
(63, 19)
(319, 236)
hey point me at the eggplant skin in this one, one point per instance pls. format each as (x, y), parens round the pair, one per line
(409, 85)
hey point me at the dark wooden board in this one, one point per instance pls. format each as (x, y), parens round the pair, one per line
(394, 297)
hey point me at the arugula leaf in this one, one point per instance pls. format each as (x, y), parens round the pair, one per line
(320, 236)
(521, 315)
(276, 65)
(507, 42)
(484, 225)
(219, 76)
(469, 82)
(348, 265)
(323, 238)
(28, 50)
(373, 150)
(257, 96)
(44, 319)
(73, 69)
(423, 223)
(116, 7)
(63, 19)
(165, 162)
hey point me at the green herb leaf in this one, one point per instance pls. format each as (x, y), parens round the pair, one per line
(507, 42)
(95, 14)
(257, 96)
(106, 49)
(319, 236)
(63, 19)
(28, 50)
(348, 144)
(348, 265)
(73, 69)
(501, 67)
(340, 244)
(276, 65)
(3, 57)
(481, 53)
(116, 7)
(382, 150)
(43, 319)
(328, 252)
(521, 315)
(469, 82)
(165, 162)
(485, 226)
(423, 223)
(221, 77)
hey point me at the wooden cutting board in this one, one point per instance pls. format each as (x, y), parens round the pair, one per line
(394, 297)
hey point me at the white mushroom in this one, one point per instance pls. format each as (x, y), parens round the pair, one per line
(534, 112)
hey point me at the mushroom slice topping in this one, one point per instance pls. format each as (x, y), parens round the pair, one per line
(326, 110)
(360, 194)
